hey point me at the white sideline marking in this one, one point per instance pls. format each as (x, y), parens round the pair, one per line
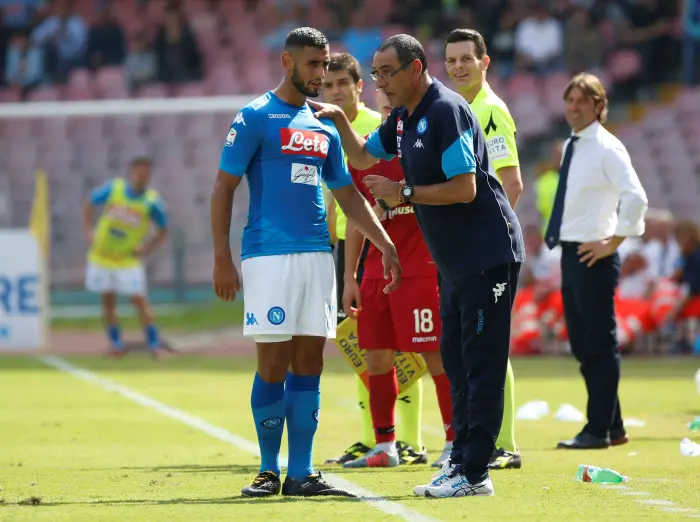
(387, 506)
(636, 493)
(661, 504)
(655, 502)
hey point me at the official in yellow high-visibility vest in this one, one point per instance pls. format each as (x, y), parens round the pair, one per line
(117, 245)
(467, 61)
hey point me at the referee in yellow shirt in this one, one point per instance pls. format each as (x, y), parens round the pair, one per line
(467, 62)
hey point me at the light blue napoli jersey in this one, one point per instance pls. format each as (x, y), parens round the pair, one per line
(285, 153)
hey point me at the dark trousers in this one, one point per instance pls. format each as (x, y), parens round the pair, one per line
(340, 277)
(476, 315)
(589, 310)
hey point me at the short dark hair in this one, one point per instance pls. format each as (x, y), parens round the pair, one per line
(407, 49)
(346, 62)
(468, 35)
(141, 160)
(305, 37)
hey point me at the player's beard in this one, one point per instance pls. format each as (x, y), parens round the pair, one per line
(302, 87)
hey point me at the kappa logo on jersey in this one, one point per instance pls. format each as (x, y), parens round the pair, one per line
(418, 145)
(305, 174)
(498, 291)
(239, 119)
(399, 127)
(304, 142)
(272, 423)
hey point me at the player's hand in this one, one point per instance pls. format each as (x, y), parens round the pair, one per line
(392, 269)
(383, 188)
(325, 110)
(89, 237)
(351, 294)
(594, 251)
(227, 282)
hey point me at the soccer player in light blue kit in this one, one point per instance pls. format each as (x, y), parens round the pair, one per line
(288, 272)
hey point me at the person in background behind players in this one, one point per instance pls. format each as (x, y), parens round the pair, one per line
(343, 87)
(467, 63)
(117, 246)
(407, 321)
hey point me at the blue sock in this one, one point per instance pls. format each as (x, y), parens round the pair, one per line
(267, 403)
(152, 337)
(115, 336)
(303, 402)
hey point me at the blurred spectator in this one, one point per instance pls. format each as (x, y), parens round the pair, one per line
(24, 64)
(106, 44)
(661, 247)
(539, 42)
(63, 36)
(177, 52)
(691, 41)
(282, 21)
(4, 42)
(140, 67)
(687, 311)
(583, 45)
(647, 26)
(502, 48)
(542, 269)
(363, 37)
(546, 184)
(342, 11)
(20, 14)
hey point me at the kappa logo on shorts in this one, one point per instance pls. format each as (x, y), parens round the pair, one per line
(498, 291)
(271, 423)
(250, 319)
(276, 315)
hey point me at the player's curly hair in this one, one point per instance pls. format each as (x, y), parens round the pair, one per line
(305, 37)
(592, 88)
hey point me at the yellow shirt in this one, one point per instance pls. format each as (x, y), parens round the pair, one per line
(498, 127)
(365, 122)
(123, 225)
(545, 191)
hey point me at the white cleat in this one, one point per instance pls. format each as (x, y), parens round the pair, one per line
(444, 456)
(459, 486)
(440, 476)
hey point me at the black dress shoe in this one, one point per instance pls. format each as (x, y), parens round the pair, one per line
(584, 441)
(618, 437)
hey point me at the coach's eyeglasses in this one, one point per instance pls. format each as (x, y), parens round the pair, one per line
(376, 75)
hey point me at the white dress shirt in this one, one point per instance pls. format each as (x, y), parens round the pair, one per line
(601, 178)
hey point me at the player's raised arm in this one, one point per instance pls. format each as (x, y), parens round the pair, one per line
(241, 143)
(362, 153)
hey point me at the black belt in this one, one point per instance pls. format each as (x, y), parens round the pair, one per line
(569, 244)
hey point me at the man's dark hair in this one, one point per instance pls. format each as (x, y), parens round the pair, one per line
(407, 49)
(305, 37)
(346, 62)
(468, 35)
(141, 160)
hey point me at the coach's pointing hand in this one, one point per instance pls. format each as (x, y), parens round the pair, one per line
(227, 282)
(325, 110)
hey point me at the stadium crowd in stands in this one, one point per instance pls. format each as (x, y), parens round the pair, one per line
(85, 49)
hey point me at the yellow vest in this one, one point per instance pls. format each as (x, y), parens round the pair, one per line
(545, 191)
(122, 227)
(365, 122)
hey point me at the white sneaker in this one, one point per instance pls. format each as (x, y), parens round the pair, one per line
(459, 486)
(444, 456)
(438, 478)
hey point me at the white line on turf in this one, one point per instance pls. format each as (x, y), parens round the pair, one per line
(661, 504)
(387, 506)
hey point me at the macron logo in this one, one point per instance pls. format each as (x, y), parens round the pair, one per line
(304, 143)
(498, 291)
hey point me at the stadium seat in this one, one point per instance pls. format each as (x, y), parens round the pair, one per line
(623, 65)
(43, 94)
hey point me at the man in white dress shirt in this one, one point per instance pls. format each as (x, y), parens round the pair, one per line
(596, 176)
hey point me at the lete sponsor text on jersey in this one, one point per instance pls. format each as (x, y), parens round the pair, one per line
(304, 142)
(124, 214)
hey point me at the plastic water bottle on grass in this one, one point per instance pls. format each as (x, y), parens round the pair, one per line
(598, 475)
(694, 425)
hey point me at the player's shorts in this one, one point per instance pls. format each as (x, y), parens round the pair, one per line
(407, 320)
(287, 295)
(122, 281)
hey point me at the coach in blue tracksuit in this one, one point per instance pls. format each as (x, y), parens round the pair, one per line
(473, 236)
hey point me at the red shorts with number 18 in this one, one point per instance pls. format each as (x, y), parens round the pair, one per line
(407, 320)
